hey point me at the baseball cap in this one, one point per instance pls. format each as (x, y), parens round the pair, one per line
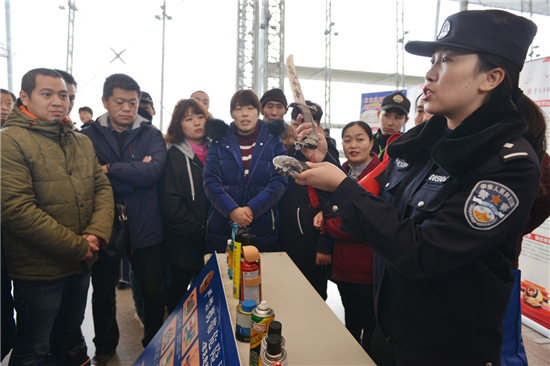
(146, 98)
(396, 100)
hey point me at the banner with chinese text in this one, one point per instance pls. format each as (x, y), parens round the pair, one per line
(198, 332)
(535, 254)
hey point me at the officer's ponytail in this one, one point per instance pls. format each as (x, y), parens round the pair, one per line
(536, 122)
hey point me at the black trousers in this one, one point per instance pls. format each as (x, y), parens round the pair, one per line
(180, 278)
(147, 267)
(8, 322)
(105, 275)
(358, 304)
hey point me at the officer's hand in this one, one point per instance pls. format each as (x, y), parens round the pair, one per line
(324, 176)
(318, 220)
(323, 259)
(322, 148)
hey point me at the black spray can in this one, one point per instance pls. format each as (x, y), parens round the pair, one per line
(274, 328)
(274, 353)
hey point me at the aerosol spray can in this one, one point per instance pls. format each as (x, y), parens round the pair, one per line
(230, 250)
(274, 353)
(250, 271)
(261, 316)
(229, 253)
(237, 254)
(242, 331)
(274, 328)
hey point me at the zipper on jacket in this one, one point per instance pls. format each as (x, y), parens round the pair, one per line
(298, 220)
(272, 220)
(190, 178)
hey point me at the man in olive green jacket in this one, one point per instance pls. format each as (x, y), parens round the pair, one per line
(57, 210)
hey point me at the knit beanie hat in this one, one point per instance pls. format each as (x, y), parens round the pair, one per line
(274, 95)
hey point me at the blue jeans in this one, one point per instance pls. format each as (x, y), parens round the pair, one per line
(50, 312)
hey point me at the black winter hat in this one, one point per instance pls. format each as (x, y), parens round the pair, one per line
(275, 95)
(146, 98)
(491, 31)
(396, 100)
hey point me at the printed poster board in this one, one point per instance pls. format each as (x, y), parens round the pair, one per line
(198, 332)
(535, 254)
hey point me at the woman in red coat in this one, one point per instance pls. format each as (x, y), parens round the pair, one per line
(352, 258)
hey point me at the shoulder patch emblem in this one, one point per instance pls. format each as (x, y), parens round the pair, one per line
(489, 204)
(401, 164)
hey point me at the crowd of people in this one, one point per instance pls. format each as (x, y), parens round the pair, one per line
(404, 226)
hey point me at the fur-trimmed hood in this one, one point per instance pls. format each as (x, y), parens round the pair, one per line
(215, 129)
(465, 148)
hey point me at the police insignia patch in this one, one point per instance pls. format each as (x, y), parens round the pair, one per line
(445, 29)
(489, 204)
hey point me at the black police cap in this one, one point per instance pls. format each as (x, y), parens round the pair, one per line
(491, 31)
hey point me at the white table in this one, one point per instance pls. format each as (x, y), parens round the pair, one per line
(313, 333)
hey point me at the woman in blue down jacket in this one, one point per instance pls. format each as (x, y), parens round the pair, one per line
(239, 177)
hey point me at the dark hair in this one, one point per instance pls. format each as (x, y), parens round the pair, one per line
(361, 124)
(4, 91)
(244, 98)
(69, 79)
(121, 81)
(316, 116)
(86, 109)
(175, 135)
(536, 123)
(417, 100)
(28, 82)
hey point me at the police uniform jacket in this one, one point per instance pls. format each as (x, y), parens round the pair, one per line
(452, 206)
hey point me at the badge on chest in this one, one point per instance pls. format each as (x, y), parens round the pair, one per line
(401, 164)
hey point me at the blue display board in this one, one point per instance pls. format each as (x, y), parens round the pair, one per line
(198, 332)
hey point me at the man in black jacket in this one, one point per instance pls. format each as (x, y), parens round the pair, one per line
(132, 154)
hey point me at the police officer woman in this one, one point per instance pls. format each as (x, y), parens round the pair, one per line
(454, 198)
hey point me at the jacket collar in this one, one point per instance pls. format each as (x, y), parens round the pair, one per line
(21, 117)
(104, 121)
(186, 148)
(465, 148)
